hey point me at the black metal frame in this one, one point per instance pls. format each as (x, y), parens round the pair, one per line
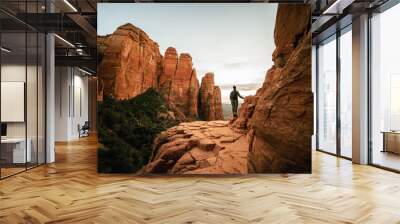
(337, 35)
(338, 98)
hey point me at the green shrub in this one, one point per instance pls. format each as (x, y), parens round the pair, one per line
(127, 129)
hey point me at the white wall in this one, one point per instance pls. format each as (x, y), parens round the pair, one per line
(71, 102)
(12, 73)
(33, 127)
(16, 73)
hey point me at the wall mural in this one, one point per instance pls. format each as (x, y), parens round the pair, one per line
(171, 82)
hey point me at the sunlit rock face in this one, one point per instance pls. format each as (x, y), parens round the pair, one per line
(210, 105)
(279, 119)
(132, 63)
(179, 83)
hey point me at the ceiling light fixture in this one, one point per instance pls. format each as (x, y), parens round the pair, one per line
(84, 71)
(5, 50)
(65, 41)
(338, 6)
(70, 5)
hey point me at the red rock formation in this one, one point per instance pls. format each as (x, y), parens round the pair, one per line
(219, 115)
(181, 83)
(199, 147)
(210, 106)
(178, 82)
(245, 113)
(206, 105)
(281, 126)
(130, 64)
(193, 95)
(170, 63)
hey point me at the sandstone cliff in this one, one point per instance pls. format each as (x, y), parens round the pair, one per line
(279, 120)
(179, 83)
(132, 63)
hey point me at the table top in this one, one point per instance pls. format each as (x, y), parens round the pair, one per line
(391, 132)
(13, 140)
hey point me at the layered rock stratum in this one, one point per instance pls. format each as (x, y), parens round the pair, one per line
(132, 63)
(272, 133)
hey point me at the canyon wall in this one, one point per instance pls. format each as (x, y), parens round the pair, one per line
(279, 119)
(132, 63)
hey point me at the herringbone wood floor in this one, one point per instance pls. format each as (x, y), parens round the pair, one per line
(70, 191)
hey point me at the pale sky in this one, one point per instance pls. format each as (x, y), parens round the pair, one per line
(235, 41)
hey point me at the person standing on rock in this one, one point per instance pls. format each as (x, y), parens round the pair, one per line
(235, 100)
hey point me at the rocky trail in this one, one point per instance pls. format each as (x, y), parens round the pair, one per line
(200, 147)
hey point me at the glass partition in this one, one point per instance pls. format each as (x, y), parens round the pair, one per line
(22, 78)
(327, 95)
(346, 93)
(14, 153)
(31, 98)
(385, 89)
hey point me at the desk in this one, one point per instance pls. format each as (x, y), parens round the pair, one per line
(391, 141)
(13, 150)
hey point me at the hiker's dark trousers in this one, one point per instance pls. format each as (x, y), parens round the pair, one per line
(235, 104)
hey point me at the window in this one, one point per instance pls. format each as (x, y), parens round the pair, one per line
(385, 89)
(334, 109)
(346, 93)
(327, 96)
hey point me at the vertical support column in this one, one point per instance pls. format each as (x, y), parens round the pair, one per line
(338, 98)
(360, 90)
(50, 92)
(316, 102)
